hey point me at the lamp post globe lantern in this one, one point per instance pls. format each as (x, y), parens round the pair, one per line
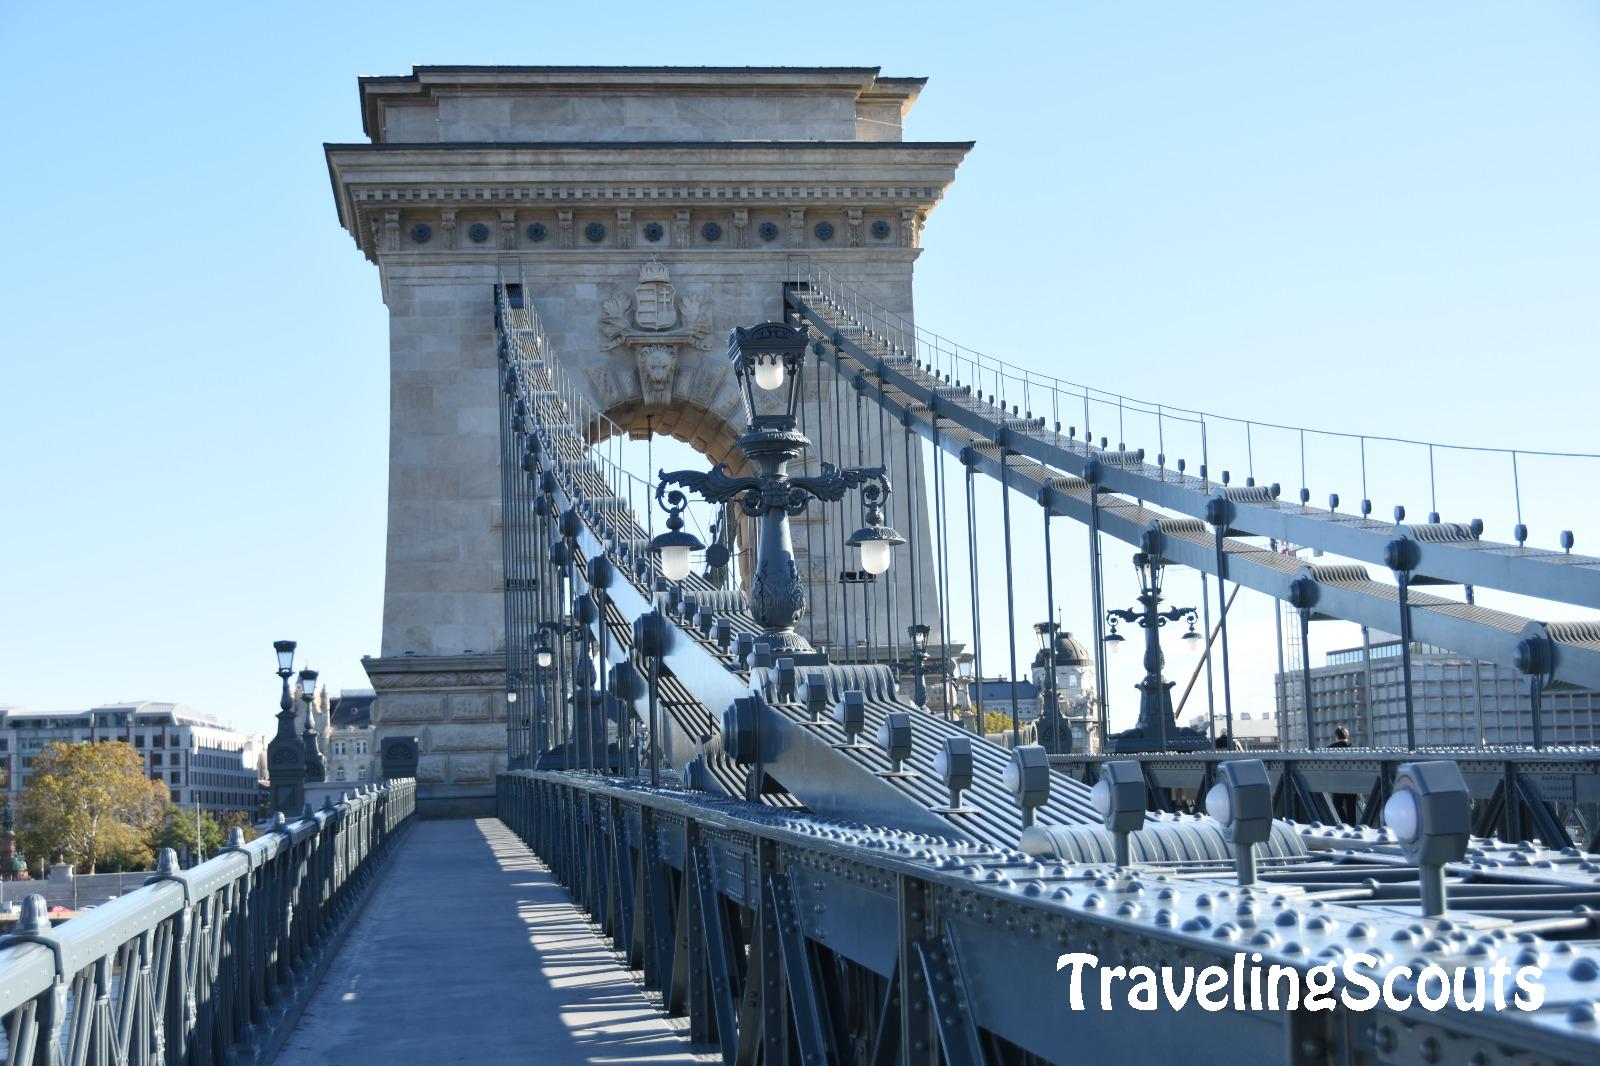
(767, 360)
(769, 373)
(918, 632)
(286, 752)
(675, 547)
(875, 540)
(315, 770)
(285, 653)
(1045, 634)
(768, 357)
(1156, 729)
(919, 635)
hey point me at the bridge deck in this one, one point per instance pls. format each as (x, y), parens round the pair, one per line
(469, 951)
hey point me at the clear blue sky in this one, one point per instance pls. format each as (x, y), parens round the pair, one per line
(1375, 217)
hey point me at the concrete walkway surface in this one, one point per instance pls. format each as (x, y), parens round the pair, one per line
(468, 950)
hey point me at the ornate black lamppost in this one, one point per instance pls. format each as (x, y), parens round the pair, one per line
(919, 664)
(519, 727)
(1055, 733)
(588, 736)
(767, 357)
(544, 658)
(552, 635)
(286, 753)
(1156, 729)
(1045, 633)
(315, 770)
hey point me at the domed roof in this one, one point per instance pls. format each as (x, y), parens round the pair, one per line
(1069, 652)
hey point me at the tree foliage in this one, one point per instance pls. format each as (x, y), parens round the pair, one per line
(90, 804)
(177, 829)
(241, 820)
(999, 722)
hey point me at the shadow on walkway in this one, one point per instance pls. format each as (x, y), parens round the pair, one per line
(469, 951)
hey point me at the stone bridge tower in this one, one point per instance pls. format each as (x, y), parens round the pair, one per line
(650, 209)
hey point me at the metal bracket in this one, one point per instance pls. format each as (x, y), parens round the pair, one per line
(947, 995)
(815, 1045)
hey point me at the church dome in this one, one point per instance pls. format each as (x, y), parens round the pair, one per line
(1069, 652)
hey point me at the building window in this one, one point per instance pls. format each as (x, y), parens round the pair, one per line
(361, 747)
(338, 775)
(176, 777)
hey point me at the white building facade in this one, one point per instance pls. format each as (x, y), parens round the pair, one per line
(1075, 694)
(351, 749)
(202, 762)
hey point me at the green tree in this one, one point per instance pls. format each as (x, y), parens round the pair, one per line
(88, 803)
(176, 830)
(997, 721)
(240, 820)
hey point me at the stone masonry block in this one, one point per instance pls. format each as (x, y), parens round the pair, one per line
(471, 769)
(432, 769)
(393, 709)
(477, 738)
(473, 707)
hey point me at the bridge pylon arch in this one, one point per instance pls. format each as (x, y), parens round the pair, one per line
(646, 212)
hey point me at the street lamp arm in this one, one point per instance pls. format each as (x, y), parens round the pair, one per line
(714, 486)
(831, 485)
(1124, 615)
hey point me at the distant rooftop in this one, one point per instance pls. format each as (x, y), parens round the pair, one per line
(351, 709)
(180, 713)
(994, 689)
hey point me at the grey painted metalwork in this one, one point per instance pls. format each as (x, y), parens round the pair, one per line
(286, 752)
(780, 753)
(1452, 551)
(199, 963)
(725, 891)
(771, 443)
(804, 939)
(1517, 794)
(1156, 729)
(315, 769)
(1108, 490)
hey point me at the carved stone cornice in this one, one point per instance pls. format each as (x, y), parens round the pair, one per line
(634, 195)
(782, 176)
(433, 673)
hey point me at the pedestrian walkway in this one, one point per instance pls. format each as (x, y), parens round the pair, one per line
(469, 951)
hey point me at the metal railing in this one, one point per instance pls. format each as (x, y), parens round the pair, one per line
(785, 937)
(1517, 794)
(1531, 483)
(200, 961)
